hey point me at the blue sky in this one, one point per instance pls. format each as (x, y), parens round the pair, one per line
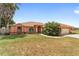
(44, 12)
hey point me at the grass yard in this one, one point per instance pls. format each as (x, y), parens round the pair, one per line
(35, 45)
(76, 31)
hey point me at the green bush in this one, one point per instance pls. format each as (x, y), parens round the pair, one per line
(52, 28)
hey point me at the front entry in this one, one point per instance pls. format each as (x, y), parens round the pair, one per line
(19, 30)
(31, 30)
(39, 29)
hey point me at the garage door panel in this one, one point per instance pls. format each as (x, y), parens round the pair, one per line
(64, 31)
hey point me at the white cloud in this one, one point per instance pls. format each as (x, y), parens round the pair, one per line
(76, 11)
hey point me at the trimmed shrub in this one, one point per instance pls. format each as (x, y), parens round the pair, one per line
(52, 28)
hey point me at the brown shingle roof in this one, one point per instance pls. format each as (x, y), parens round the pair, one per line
(31, 23)
(28, 24)
(65, 26)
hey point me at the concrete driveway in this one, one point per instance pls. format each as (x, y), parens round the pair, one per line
(72, 35)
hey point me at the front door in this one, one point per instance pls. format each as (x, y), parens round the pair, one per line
(31, 30)
(19, 30)
(39, 29)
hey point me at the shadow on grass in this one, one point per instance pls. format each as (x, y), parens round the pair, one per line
(13, 36)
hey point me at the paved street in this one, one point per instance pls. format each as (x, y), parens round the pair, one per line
(72, 35)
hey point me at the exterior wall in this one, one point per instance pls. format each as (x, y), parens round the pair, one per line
(35, 28)
(13, 29)
(71, 30)
(66, 30)
(25, 29)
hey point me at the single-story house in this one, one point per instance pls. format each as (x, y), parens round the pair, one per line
(28, 27)
(36, 27)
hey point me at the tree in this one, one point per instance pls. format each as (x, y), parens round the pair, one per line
(7, 11)
(52, 28)
(12, 22)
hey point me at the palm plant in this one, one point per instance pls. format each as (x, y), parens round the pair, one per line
(7, 11)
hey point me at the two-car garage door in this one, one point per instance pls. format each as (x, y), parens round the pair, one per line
(64, 31)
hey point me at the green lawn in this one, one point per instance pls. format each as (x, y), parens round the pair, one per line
(35, 45)
(76, 31)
